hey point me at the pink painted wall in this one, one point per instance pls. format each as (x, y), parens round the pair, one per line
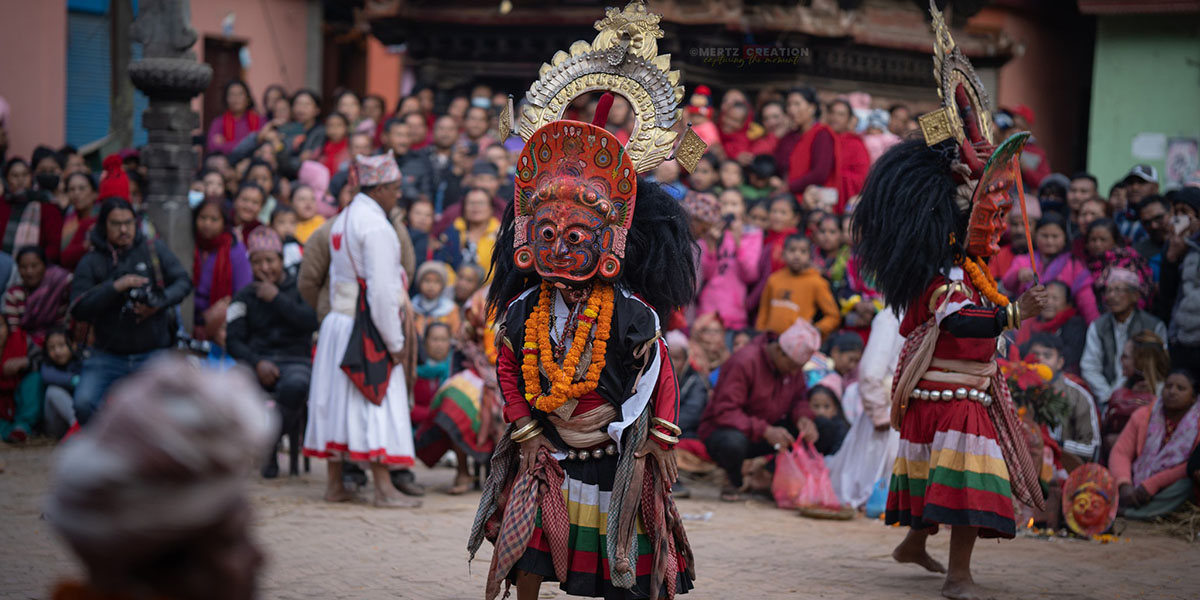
(33, 72)
(385, 71)
(278, 58)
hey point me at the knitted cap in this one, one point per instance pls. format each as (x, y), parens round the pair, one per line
(114, 183)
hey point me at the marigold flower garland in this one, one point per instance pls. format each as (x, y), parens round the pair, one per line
(538, 349)
(982, 279)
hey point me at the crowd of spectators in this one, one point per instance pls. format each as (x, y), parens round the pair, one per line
(91, 292)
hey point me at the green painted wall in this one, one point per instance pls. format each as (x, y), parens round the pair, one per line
(1146, 79)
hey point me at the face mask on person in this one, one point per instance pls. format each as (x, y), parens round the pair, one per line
(47, 181)
(195, 197)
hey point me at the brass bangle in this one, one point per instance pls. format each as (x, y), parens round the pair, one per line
(530, 426)
(1009, 311)
(670, 440)
(665, 424)
(528, 436)
(1017, 309)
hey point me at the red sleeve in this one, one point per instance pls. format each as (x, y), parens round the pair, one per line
(508, 373)
(728, 402)
(1123, 453)
(820, 164)
(666, 390)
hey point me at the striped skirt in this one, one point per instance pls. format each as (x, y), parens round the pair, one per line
(587, 490)
(455, 420)
(950, 470)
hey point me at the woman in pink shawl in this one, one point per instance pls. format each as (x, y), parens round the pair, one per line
(1150, 458)
(38, 300)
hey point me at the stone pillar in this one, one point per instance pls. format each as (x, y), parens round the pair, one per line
(170, 77)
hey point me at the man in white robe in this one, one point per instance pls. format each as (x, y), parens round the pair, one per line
(343, 424)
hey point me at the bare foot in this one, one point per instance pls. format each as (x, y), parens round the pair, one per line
(904, 553)
(965, 590)
(337, 494)
(462, 485)
(397, 500)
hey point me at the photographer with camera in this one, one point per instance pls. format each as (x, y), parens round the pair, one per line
(126, 287)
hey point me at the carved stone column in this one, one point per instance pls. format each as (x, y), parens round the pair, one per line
(170, 77)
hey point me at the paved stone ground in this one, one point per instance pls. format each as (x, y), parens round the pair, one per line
(750, 550)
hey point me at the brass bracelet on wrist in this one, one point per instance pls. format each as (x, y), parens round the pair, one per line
(1010, 314)
(529, 436)
(665, 424)
(1017, 308)
(520, 433)
(669, 440)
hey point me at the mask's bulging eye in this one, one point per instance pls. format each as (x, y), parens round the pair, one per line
(575, 237)
(547, 234)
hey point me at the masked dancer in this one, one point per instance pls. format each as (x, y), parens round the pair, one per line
(931, 215)
(593, 261)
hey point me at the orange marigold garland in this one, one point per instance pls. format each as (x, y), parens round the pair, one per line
(537, 350)
(983, 281)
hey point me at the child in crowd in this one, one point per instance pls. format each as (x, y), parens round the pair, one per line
(834, 251)
(761, 180)
(60, 374)
(758, 215)
(1054, 261)
(783, 220)
(284, 222)
(797, 292)
(730, 176)
(431, 304)
(433, 369)
(706, 177)
(837, 363)
(304, 202)
(1079, 433)
(828, 415)
(729, 261)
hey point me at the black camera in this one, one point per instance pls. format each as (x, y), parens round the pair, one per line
(148, 295)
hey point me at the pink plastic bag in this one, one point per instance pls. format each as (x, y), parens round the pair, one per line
(818, 487)
(790, 477)
(801, 479)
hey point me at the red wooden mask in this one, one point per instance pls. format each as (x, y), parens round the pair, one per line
(992, 199)
(575, 195)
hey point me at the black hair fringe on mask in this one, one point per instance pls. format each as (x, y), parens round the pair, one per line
(905, 218)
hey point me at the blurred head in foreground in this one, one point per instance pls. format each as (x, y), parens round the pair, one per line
(151, 496)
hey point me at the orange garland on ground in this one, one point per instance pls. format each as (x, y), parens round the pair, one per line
(538, 350)
(983, 281)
